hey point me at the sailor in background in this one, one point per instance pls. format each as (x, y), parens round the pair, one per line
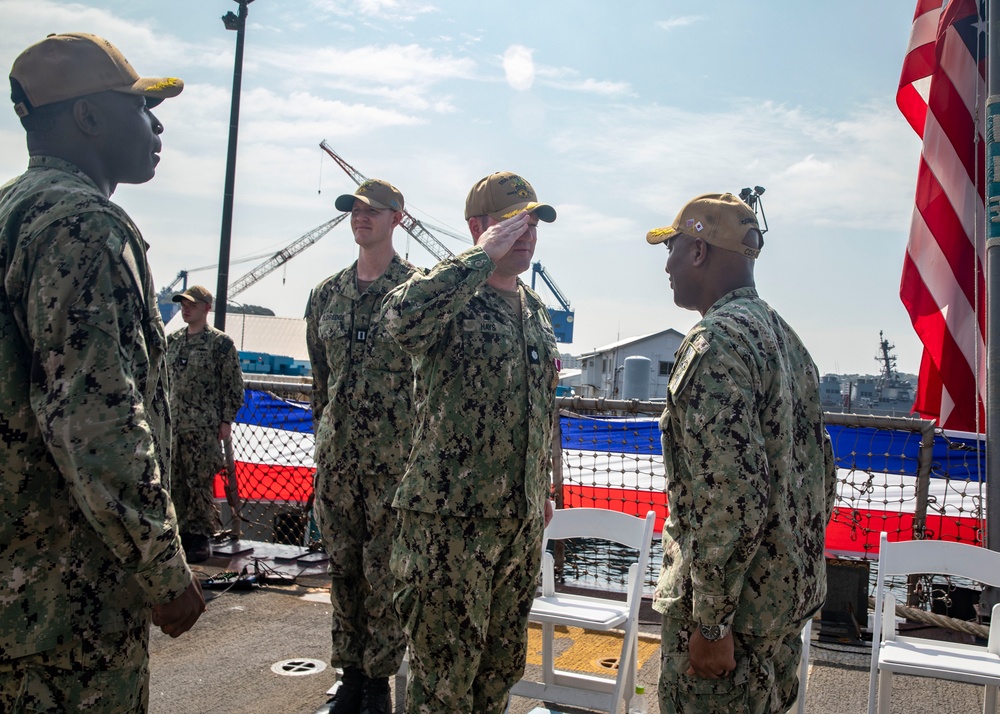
(363, 418)
(206, 392)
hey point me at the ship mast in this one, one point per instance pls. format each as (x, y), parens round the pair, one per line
(887, 377)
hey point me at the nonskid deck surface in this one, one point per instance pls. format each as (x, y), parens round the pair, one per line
(225, 663)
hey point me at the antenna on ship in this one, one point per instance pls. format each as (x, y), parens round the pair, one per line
(751, 197)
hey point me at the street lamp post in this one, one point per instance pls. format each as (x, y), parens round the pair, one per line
(237, 23)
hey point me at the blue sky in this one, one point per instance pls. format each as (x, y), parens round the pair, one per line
(616, 113)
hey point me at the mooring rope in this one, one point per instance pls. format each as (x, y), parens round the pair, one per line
(932, 618)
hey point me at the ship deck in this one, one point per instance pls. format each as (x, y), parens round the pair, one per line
(224, 664)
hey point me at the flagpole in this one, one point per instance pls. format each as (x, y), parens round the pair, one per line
(992, 131)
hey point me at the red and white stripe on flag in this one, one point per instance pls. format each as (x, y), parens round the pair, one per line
(941, 89)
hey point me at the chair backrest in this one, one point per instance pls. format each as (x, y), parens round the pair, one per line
(600, 523)
(922, 557)
(938, 557)
(929, 557)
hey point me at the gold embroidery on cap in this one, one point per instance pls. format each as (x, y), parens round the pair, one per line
(166, 83)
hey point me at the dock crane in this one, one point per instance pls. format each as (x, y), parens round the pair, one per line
(165, 296)
(284, 255)
(409, 224)
(562, 320)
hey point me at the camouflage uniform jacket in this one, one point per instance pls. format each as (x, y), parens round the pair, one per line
(750, 474)
(206, 381)
(362, 399)
(485, 392)
(88, 536)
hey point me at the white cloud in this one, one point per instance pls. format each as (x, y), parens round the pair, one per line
(301, 114)
(336, 8)
(519, 67)
(594, 86)
(675, 22)
(820, 170)
(383, 10)
(405, 75)
(400, 10)
(568, 79)
(580, 219)
(151, 51)
(809, 166)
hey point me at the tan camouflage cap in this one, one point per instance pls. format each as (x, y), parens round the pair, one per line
(76, 64)
(502, 195)
(376, 193)
(195, 293)
(721, 219)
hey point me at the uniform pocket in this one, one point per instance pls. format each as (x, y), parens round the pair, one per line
(334, 333)
(729, 695)
(383, 354)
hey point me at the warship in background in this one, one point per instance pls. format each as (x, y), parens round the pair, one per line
(888, 394)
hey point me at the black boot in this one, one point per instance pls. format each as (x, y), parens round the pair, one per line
(347, 700)
(376, 699)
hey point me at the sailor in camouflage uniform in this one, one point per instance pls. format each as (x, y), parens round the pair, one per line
(362, 414)
(750, 478)
(89, 549)
(206, 392)
(476, 486)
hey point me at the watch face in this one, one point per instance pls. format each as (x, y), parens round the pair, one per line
(713, 632)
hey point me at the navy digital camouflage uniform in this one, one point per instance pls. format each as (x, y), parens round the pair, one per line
(751, 482)
(88, 537)
(206, 389)
(362, 415)
(471, 501)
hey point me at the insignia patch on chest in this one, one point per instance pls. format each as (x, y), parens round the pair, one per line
(690, 354)
(361, 336)
(532, 354)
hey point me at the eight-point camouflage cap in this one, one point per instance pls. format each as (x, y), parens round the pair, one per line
(502, 195)
(195, 293)
(717, 218)
(376, 193)
(76, 64)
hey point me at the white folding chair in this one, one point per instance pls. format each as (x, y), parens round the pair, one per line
(591, 613)
(799, 706)
(892, 654)
(401, 675)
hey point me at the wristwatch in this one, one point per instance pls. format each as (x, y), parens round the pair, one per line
(714, 632)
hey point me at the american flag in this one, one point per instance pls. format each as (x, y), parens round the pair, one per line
(941, 92)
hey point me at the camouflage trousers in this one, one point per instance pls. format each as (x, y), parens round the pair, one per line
(107, 674)
(357, 524)
(464, 589)
(765, 680)
(197, 457)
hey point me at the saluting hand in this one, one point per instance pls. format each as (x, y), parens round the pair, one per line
(497, 240)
